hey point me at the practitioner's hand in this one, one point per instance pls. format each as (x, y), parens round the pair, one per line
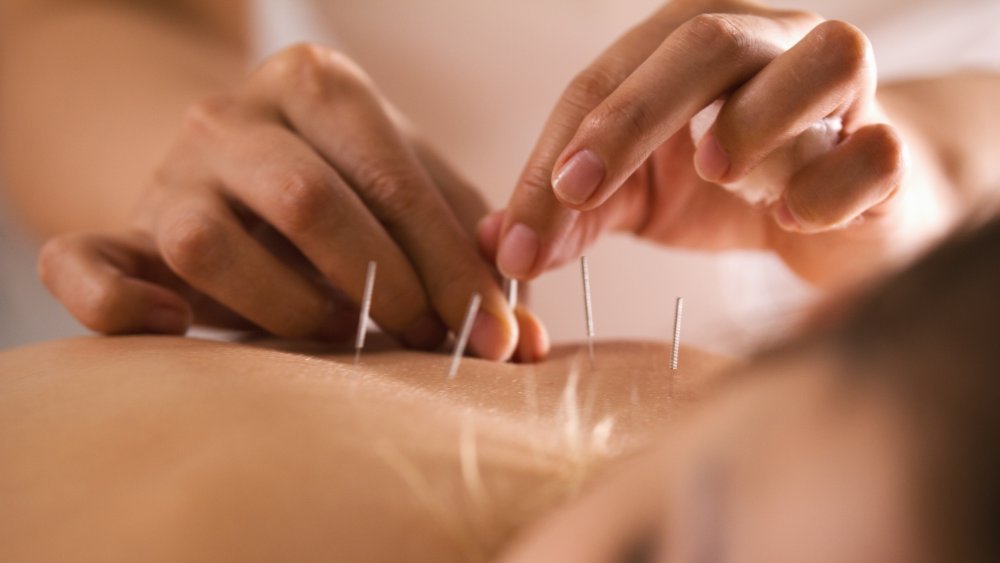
(267, 210)
(617, 152)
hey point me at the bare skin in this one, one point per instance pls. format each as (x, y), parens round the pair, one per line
(785, 465)
(173, 449)
(180, 449)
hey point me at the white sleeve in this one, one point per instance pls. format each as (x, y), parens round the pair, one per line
(933, 37)
(276, 24)
(919, 38)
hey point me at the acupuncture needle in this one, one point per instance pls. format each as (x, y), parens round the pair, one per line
(463, 337)
(676, 346)
(366, 307)
(587, 306)
(512, 292)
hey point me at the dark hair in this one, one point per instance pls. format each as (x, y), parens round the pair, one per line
(930, 337)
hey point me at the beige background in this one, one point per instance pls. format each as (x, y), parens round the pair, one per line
(480, 76)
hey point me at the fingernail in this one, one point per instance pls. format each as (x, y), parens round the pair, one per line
(518, 251)
(426, 333)
(166, 320)
(783, 216)
(488, 338)
(711, 160)
(579, 178)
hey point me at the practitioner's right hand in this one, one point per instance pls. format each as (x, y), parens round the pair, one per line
(267, 210)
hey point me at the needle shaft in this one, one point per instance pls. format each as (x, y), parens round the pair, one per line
(366, 306)
(463, 337)
(675, 349)
(588, 309)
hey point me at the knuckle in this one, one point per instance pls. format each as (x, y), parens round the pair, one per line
(53, 254)
(633, 117)
(100, 308)
(812, 19)
(846, 45)
(206, 119)
(721, 34)
(536, 178)
(887, 154)
(193, 243)
(315, 71)
(303, 200)
(393, 194)
(591, 87)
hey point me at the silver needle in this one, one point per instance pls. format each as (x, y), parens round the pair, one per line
(675, 349)
(512, 292)
(463, 338)
(587, 306)
(366, 307)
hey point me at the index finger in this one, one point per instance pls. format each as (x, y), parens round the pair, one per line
(535, 219)
(333, 106)
(539, 230)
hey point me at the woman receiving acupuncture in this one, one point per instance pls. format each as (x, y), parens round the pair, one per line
(712, 125)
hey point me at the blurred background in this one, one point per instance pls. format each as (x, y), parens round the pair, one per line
(479, 79)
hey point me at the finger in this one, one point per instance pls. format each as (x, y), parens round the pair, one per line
(701, 61)
(698, 62)
(629, 214)
(202, 241)
(467, 203)
(856, 176)
(285, 182)
(831, 72)
(533, 345)
(334, 107)
(98, 280)
(537, 223)
(488, 234)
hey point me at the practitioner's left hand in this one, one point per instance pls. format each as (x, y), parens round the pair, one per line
(617, 152)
